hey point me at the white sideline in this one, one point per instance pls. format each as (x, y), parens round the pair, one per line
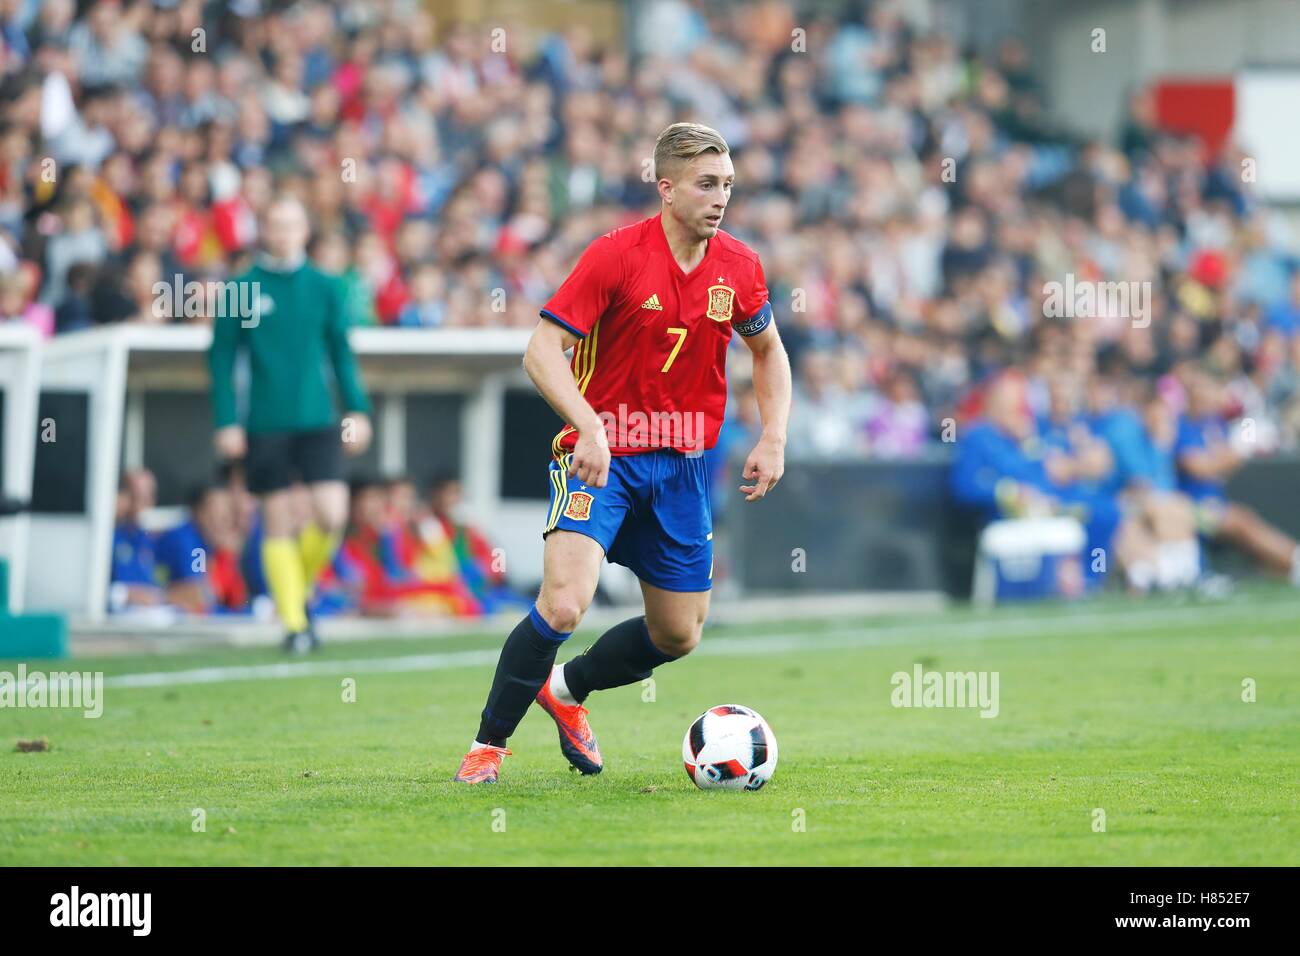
(835, 638)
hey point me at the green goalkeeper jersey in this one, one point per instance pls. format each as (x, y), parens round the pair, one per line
(297, 345)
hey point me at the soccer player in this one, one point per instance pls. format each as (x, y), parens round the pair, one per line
(649, 309)
(1206, 459)
(296, 327)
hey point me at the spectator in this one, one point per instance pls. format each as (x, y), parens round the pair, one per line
(107, 45)
(898, 425)
(331, 254)
(1163, 552)
(1003, 469)
(463, 172)
(75, 311)
(134, 572)
(1169, 515)
(78, 240)
(1284, 316)
(1206, 460)
(826, 421)
(908, 198)
(427, 307)
(200, 558)
(16, 303)
(371, 569)
(481, 567)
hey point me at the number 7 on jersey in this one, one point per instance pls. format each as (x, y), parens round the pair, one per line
(681, 337)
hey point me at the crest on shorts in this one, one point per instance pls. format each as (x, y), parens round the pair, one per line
(721, 298)
(579, 506)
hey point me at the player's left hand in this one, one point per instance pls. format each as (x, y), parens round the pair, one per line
(356, 433)
(764, 466)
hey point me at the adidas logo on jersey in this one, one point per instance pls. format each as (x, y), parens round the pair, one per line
(652, 303)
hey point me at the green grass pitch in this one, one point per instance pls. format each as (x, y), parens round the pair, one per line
(1133, 709)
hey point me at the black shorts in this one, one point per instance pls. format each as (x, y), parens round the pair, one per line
(278, 459)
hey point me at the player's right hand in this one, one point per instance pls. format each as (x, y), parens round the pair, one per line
(591, 458)
(231, 442)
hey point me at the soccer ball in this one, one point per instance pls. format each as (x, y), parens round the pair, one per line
(729, 748)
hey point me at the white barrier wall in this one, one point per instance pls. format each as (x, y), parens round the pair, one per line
(68, 554)
(19, 371)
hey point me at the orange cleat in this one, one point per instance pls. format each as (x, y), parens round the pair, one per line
(481, 765)
(577, 742)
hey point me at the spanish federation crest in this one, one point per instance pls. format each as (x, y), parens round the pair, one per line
(721, 298)
(579, 506)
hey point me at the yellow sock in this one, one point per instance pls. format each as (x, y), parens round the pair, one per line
(282, 565)
(316, 548)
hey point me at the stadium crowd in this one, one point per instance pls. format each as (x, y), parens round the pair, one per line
(911, 200)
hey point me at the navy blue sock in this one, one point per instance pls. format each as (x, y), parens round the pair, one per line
(622, 655)
(525, 664)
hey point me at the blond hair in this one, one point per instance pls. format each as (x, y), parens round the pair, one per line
(682, 142)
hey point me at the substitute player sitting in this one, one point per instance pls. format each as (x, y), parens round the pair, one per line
(650, 308)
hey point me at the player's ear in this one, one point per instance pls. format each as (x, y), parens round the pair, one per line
(666, 190)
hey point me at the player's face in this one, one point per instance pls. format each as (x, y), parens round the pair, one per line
(368, 508)
(701, 192)
(216, 516)
(1007, 408)
(143, 491)
(285, 230)
(1064, 401)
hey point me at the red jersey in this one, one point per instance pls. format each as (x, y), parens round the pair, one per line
(653, 357)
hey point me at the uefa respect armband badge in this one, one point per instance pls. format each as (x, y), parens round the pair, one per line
(755, 323)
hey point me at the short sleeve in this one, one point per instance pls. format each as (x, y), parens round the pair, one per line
(585, 295)
(755, 308)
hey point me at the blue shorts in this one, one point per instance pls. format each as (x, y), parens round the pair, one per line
(652, 516)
